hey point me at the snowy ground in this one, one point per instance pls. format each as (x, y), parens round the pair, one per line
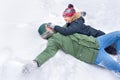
(20, 41)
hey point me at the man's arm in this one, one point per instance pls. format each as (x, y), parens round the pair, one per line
(49, 52)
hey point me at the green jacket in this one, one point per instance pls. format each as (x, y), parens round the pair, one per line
(80, 46)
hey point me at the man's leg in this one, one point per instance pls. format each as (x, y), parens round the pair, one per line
(117, 46)
(105, 60)
(108, 39)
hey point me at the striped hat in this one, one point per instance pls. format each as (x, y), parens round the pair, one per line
(70, 11)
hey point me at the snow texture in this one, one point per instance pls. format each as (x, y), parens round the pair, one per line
(21, 43)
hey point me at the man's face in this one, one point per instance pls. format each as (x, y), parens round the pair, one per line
(49, 29)
(49, 32)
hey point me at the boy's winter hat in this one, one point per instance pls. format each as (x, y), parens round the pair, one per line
(42, 28)
(70, 11)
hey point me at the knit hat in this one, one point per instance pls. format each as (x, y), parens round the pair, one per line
(70, 11)
(42, 28)
(43, 33)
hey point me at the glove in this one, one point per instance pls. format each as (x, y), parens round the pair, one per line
(29, 67)
(50, 25)
(83, 13)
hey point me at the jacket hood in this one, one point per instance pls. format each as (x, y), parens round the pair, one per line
(76, 16)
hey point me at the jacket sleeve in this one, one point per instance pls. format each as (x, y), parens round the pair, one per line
(66, 31)
(72, 28)
(94, 32)
(49, 52)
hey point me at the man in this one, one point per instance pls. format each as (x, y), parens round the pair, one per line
(85, 48)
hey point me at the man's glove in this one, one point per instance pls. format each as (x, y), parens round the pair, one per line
(50, 25)
(29, 67)
(83, 13)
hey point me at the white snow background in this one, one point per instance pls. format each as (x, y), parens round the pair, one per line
(21, 43)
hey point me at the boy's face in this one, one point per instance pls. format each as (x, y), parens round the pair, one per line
(68, 19)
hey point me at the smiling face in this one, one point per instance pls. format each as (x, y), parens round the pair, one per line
(67, 19)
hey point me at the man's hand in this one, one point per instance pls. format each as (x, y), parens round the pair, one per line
(29, 67)
(50, 25)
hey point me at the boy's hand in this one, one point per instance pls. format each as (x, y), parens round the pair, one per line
(50, 25)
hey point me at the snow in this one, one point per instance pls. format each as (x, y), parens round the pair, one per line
(21, 43)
